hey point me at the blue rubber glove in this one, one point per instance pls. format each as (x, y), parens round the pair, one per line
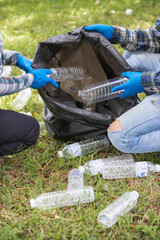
(41, 78)
(105, 30)
(24, 63)
(132, 86)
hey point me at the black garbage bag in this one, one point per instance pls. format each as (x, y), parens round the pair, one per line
(64, 114)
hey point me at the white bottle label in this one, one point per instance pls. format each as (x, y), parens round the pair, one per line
(74, 149)
(141, 169)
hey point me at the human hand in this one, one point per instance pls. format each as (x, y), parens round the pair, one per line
(132, 86)
(105, 30)
(24, 63)
(41, 78)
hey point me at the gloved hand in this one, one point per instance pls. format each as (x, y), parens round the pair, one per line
(41, 78)
(132, 86)
(24, 63)
(105, 30)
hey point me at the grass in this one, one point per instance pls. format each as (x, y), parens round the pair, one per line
(38, 169)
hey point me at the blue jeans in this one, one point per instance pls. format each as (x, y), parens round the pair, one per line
(138, 130)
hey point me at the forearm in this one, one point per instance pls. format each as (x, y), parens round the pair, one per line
(138, 40)
(9, 57)
(151, 81)
(10, 85)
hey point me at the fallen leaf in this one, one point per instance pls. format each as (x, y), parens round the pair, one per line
(131, 226)
(34, 114)
(145, 217)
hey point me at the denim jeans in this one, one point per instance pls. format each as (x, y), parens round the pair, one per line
(140, 126)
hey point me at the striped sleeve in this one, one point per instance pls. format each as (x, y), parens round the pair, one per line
(10, 85)
(138, 40)
(151, 81)
(9, 57)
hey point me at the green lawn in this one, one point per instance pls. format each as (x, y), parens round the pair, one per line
(39, 169)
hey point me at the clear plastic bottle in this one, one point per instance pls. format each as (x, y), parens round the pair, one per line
(63, 198)
(76, 193)
(75, 179)
(132, 169)
(6, 71)
(101, 91)
(94, 167)
(84, 147)
(122, 205)
(67, 73)
(21, 99)
(40, 99)
(43, 129)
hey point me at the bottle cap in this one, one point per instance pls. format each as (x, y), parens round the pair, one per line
(136, 193)
(33, 203)
(81, 168)
(60, 154)
(157, 168)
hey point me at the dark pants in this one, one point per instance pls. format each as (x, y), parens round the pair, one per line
(17, 132)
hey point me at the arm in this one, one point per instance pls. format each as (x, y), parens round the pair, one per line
(9, 57)
(142, 40)
(37, 79)
(151, 81)
(16, 59)
(9, 85)
(133, 40)
(138, 82)
(138, 40)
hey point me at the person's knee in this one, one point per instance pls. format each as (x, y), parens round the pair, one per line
(33, 131)
(116, 136)
(113, 133)
(36, 131)
(115, 126)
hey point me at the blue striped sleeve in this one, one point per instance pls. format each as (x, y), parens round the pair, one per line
(151, 81)
(9, 57)
(10, 85)
(138, 40)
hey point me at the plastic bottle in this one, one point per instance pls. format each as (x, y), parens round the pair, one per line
(94, 167)
(124, 170)
(63, 198)
(20, 101)
(101, 91)
(75, 179)
(76, 193)
(122, 205)
(40, 99)
(67, 73)
(6, 71)
(84, 147)
(42, 127)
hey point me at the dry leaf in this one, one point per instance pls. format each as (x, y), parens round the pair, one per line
(145, 217)
(131, 226)
(34, 114)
